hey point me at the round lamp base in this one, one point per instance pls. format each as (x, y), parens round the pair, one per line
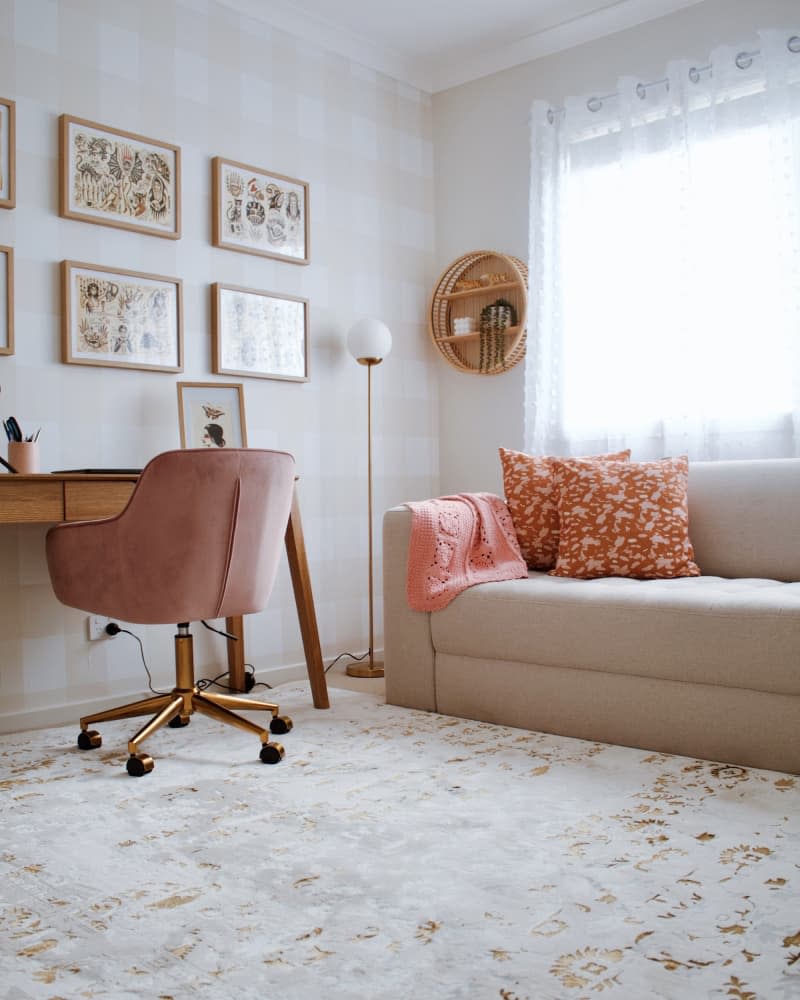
(374, 669)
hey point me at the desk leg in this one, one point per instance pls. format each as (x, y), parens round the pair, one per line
(304, 599)
(235, 625)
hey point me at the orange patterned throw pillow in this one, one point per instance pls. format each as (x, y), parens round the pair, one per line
(530, 493)
(624, 519)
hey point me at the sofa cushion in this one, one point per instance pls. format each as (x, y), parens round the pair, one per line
(623, 519)
(744, 517)
(530, 493)
(708, 630)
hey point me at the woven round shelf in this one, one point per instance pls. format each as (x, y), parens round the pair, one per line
(475, 290)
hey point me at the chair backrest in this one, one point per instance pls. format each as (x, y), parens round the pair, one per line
(199, 538)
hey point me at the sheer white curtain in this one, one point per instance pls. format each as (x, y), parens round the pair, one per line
(664, 308)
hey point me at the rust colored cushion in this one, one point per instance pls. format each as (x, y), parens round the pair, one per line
(624, 519)
(530, 493)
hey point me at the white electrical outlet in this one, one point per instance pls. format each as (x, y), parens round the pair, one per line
(96, 626)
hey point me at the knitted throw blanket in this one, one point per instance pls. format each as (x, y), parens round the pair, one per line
(456, 542)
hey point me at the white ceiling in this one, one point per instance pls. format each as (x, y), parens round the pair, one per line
(437, 44)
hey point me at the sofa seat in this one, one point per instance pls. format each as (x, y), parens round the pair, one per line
(702, 630)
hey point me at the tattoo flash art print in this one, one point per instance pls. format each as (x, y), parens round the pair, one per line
(260, 213)
(121, 318)
(119, 179)
(259, 334)
(7, 153)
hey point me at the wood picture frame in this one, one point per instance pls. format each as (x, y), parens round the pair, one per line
(121, 319)
(260, 212)
(8, 153)
(6, 300)
(211, 415)
(258, 334)
(111, 177)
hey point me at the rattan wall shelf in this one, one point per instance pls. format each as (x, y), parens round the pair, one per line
(487, 293)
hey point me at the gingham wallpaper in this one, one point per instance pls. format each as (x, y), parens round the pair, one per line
(215, 83)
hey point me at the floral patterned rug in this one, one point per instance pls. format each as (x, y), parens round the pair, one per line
(392, 854)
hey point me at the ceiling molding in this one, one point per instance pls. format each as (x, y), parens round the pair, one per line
(458, 65)
(566, 35)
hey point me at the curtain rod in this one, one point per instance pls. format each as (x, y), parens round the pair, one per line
(743, 60)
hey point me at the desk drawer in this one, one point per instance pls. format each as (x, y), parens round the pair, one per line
(85, 501)
(24, 502)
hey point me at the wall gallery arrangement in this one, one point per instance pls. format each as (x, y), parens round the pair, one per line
(211, 415)
(118, 318)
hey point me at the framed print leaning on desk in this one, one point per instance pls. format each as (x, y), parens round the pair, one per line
(211, 415)
(6, 300)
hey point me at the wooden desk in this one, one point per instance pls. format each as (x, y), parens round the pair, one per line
(49, 498)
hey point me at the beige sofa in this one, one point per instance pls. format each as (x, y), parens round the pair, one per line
(707, 666)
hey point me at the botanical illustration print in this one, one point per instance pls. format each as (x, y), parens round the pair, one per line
(262, 334)
(262, 212)
(120, 178)
(123, 319)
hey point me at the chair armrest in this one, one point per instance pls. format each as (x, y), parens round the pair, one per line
(409, 659)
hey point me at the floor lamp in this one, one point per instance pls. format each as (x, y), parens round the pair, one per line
(369, 341)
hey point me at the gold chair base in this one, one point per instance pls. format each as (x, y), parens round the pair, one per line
(182, 702)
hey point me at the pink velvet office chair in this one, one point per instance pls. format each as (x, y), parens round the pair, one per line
(199, 538)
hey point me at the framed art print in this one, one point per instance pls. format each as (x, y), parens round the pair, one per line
(117, 178)
(256, 211)
(6, 300)
(211, 415)
(8, 153)
(260, 334)
(121, 319)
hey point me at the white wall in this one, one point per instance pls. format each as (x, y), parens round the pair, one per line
(481, 146)
(193, 73)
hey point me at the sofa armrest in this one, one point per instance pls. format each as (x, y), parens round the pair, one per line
(408, 651)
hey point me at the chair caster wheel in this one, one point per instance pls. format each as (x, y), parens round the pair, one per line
(89, 740)
(280, 724)
(178, 721)
(272, 753)
(139, 764)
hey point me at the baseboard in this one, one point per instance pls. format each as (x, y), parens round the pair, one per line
(70, 712)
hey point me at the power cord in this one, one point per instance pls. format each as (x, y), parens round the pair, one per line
(205, 682)
(352, 657)
(113, 629)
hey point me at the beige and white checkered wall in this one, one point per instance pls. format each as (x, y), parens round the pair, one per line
(216, 83)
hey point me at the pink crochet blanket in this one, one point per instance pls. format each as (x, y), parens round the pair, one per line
(456, 542)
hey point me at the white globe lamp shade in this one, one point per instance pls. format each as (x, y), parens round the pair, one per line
(369, 341)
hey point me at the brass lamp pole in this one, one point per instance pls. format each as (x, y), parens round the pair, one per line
(369, 341)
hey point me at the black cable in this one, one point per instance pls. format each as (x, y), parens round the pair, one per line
(113, 629)
(205, 682)
(351, 655)
(219, 631)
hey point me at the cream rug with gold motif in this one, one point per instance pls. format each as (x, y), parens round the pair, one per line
(393, 854)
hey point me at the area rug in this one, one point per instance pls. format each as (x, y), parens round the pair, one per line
(393, 854)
